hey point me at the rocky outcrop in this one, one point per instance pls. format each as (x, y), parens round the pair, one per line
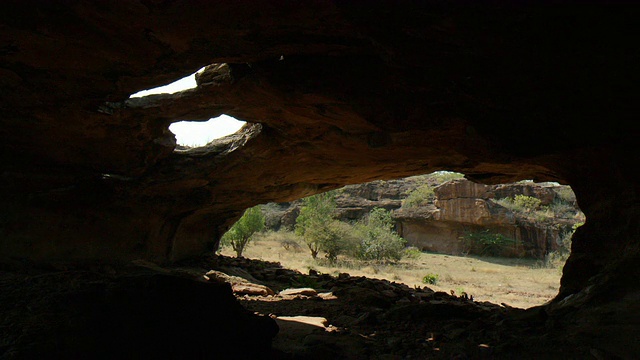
(343, 93)
(462, 207)
(139, 313)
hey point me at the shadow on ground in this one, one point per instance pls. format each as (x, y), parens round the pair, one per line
(220, 307)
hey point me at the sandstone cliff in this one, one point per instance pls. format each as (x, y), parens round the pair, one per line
(460, 207)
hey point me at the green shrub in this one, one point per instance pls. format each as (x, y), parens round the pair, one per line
(544, 214)
(430, 279)
(528, 204)
(378, 241)
(520, 203)
(411, 252)
(421, 196)
(442, 177)
(487, 243)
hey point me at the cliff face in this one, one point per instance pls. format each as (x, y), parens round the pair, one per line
(460, 207)
(337, 93)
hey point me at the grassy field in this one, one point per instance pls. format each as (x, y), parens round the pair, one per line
(517, 282)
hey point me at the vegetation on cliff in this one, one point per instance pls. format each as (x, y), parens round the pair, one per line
(365, 221)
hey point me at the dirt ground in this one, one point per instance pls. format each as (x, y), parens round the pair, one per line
(356, 317)
(521, 283)
(258, 309)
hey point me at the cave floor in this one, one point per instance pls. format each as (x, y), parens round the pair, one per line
(355, 317)
(323, 317)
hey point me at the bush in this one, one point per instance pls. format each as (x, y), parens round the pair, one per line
(526, 203)
(430, 279)
(543, 214)
(378, 240)
(241, 233)
(318, 228)
(487, 243)
(442, 177)
(411, 252)
(520, 203)
(421, 196)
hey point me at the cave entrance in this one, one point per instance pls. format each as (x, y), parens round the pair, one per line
(503, 243)
(200, 133)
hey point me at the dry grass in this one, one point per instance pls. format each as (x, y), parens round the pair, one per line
(517, 282)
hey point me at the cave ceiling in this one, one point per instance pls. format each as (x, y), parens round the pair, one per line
(334, 93)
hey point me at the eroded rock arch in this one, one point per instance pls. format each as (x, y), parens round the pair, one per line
(336, 93)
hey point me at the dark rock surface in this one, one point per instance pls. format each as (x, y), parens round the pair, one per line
(339, 93)
(132, 314)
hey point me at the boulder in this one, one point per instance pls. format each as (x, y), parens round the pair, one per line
(298, 291)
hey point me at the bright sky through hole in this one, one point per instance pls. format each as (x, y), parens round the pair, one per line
(194, 133)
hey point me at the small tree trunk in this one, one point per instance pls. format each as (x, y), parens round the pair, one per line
(314, 253)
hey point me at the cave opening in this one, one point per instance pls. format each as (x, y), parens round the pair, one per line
(504, 243)
(185, 83)
(200, 133)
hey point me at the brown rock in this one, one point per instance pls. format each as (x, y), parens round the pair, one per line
(309, 320)
(461, 206)
(239, 285)
(339, 93)
(298, 291)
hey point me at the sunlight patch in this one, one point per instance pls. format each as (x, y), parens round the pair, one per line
(187, 82)
(198, 133)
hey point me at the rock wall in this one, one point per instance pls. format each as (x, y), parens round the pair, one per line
(344, 93)
(462, 207)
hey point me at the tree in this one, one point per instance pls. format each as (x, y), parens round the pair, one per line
(241, 233)
(315, 224)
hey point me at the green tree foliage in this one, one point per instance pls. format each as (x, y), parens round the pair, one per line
(241, 233)
(520, 203)
(527, 203)
(442, 177)
(430, 279)
(317, 227)
(378, 239)
(421, 196)
(487, 243)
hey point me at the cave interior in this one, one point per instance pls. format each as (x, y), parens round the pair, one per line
(333, 93)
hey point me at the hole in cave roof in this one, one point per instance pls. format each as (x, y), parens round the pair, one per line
(200, 133)
(187, 82)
